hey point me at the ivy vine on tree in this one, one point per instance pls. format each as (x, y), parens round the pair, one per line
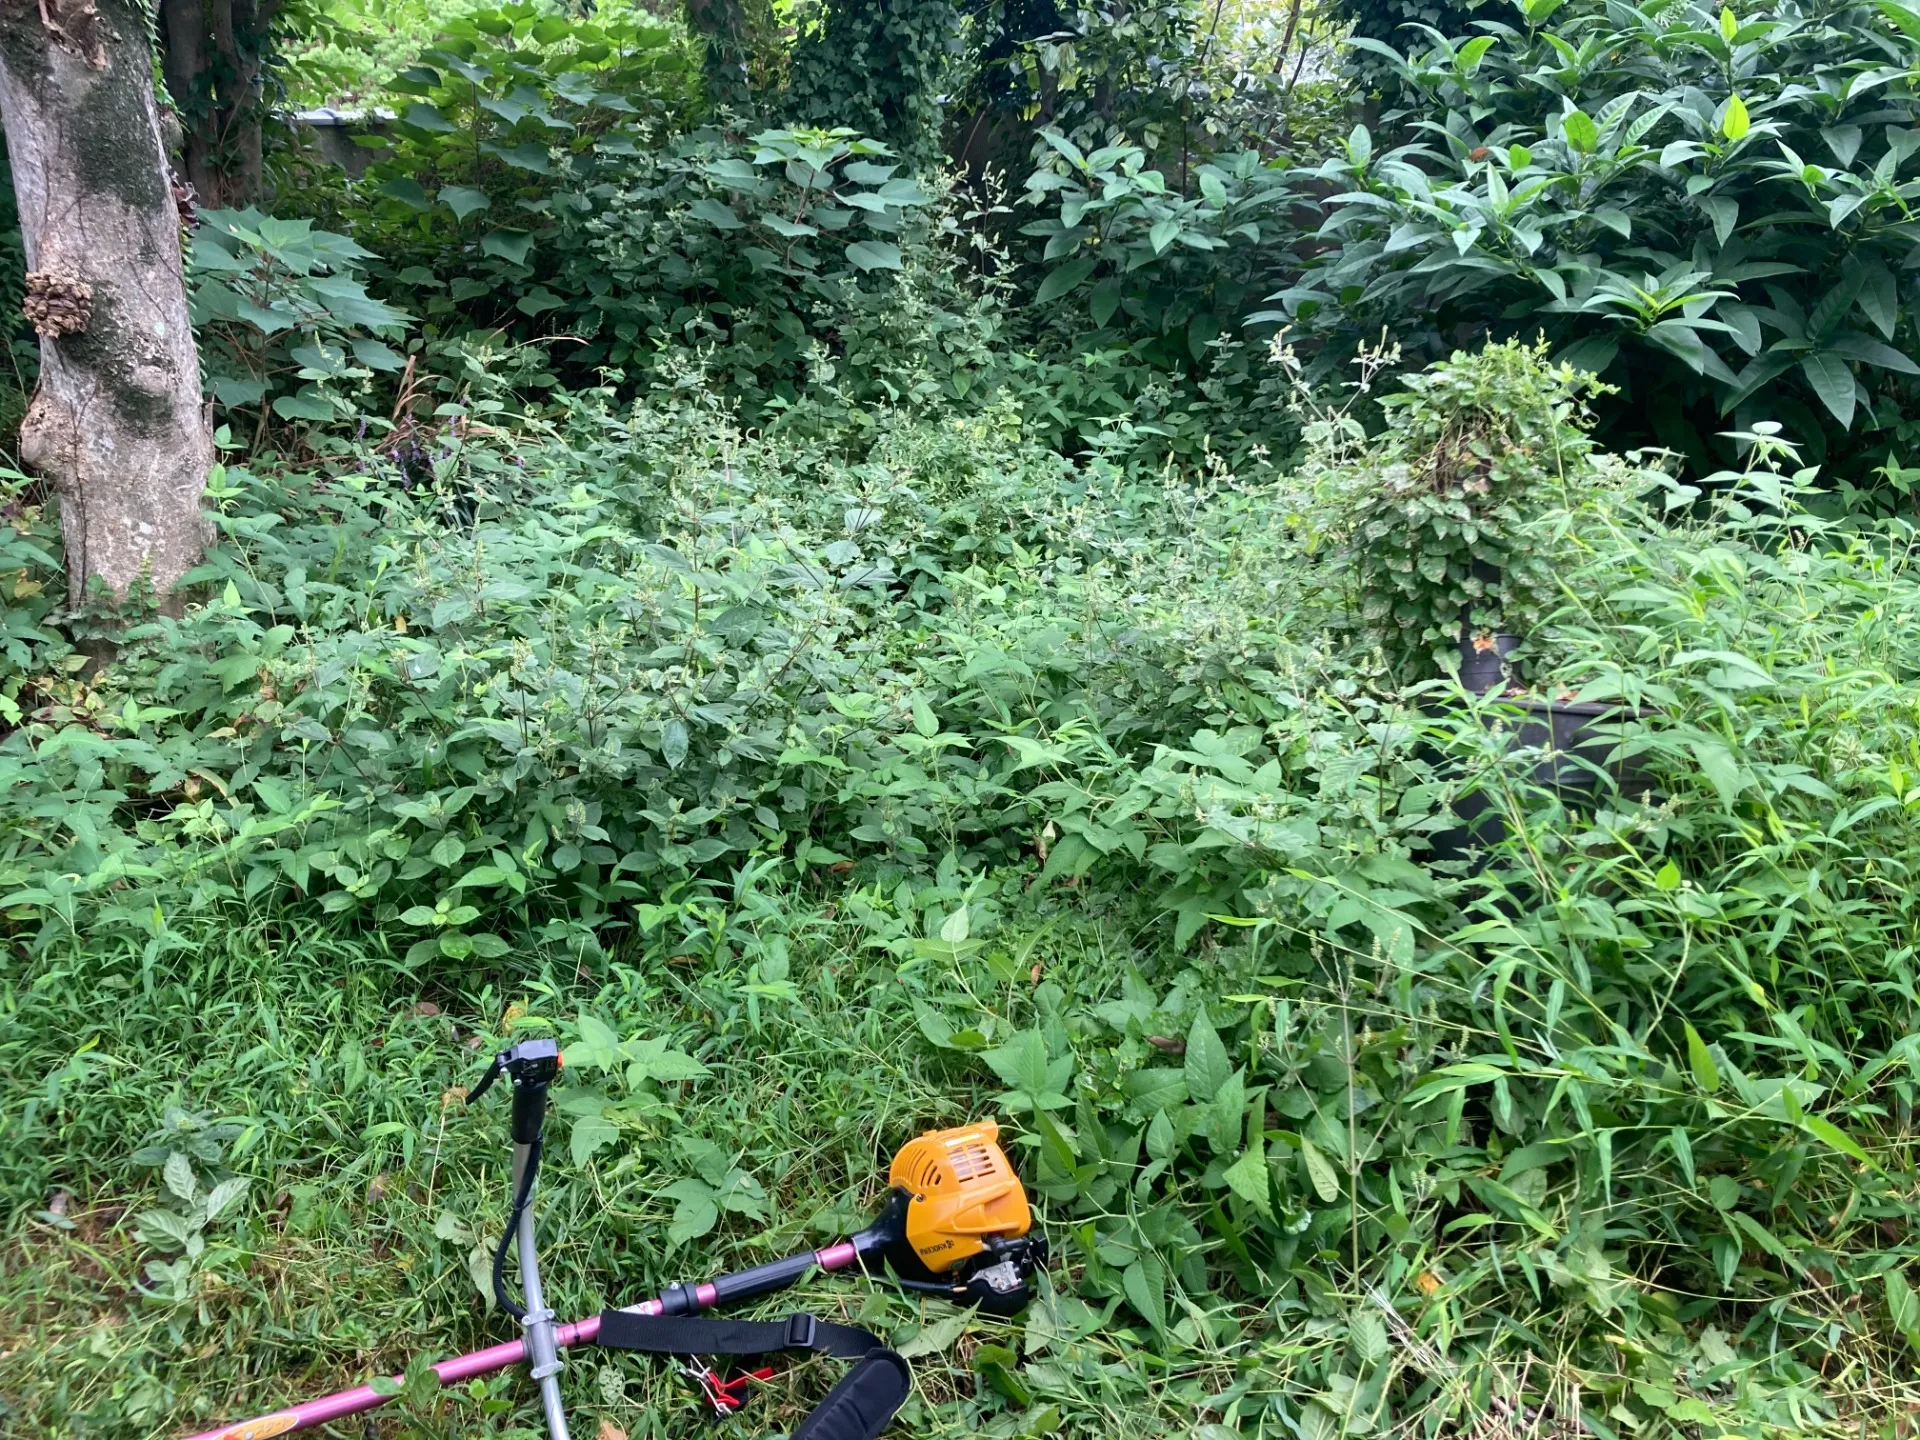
(878, 67)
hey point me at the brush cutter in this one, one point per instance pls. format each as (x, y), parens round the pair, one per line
(955, 1224)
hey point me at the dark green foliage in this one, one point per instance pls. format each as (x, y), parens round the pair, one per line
(541, 188)
(1397, 24)
(1439, 538)
(742, 50)
(803, 261)
(1707, 208)
(1145, 259)
(507, 133)
(879, 67)
(287, 330)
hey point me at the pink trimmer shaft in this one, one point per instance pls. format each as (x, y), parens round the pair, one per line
(462, 1367)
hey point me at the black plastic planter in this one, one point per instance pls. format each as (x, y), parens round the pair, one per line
(1575, 762)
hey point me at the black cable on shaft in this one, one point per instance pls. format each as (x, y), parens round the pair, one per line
(501, 1298)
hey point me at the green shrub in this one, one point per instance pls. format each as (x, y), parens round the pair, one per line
(506, 132)
(1439, 539)
(1124, 241)
(878, 66)
(1703, 207)
(804, 261)
(285, 324)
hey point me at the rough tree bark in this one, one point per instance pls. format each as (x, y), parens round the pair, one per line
(116, 424)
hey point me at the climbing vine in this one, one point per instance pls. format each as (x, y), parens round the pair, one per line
(877, 67)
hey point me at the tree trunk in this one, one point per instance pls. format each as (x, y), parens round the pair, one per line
(184, 60)
(116, 424)
(213, 54)
(734, 33)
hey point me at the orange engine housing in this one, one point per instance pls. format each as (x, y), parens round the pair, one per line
(961, 1190)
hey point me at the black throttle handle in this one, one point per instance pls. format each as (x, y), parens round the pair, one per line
(532, 1066)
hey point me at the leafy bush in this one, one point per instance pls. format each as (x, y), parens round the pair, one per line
(1178, 268)
(879, 66)
(543, 185)
(505, 131)
(1702, 207)
(1440, 540)
(285, 321)
(1396, 24)
(804, 260)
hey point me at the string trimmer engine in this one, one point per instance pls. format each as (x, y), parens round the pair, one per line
(957, 1222)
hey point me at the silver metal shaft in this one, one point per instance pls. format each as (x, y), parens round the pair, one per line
(543, 1356)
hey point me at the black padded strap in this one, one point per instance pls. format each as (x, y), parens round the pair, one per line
(859, 1407)
(687, 1335)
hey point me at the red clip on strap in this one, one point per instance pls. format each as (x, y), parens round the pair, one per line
(725, 1396)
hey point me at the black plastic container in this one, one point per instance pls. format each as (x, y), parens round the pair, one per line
(1483, 663)
(1574, 761)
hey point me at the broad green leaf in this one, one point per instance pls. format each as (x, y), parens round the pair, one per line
(1021, 1063)
(376, 355)
(695, 1214)
(1473, 52)
(1326, 1179)
(1207, 1065)
(1247, 1177)
(1724, 211)
(1068, 277)
(653, 1059)
(1582, 135)
(178, 1173)
(1832, 380)
(509, 245)
(1368, 1336)
(590, 1133)
(937, 1338)
(1105, 301)
(463, 200)
(480, 1268)
(408, 191)
(424, 117)
(674, 741)
(307, 404)
(874, 255)
(1905, 20)
(273, 795)
(720, 216)
(1145, 1284)
(1879, 296)
(1734, 122)
(1705, 1073)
